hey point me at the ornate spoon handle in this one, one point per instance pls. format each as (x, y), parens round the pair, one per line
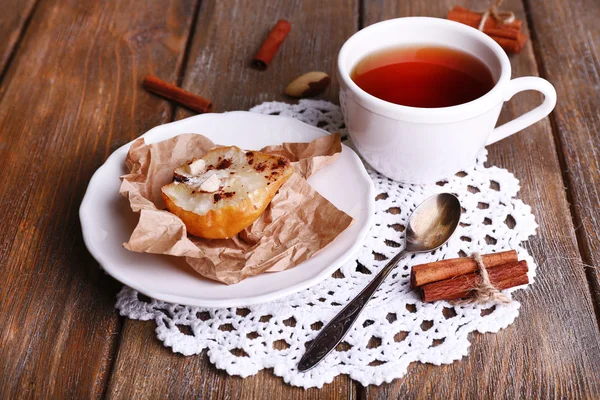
(336, 329)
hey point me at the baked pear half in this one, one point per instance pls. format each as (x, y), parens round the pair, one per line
(225, 191)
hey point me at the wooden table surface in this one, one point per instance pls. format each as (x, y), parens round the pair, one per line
(70, 94)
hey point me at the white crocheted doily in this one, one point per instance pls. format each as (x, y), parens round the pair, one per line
(396, 328)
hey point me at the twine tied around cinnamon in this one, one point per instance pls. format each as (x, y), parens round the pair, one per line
(504, 17)
(484, 291)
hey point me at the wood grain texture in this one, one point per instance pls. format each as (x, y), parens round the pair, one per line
(146, 369)
(230, 32)
(70, 97)
(550, 351)
(567, 44)
(13, 20)
(227, 35)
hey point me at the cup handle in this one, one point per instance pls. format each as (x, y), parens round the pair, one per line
(529, 118)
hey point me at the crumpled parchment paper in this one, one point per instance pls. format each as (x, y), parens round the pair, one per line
(298, 222)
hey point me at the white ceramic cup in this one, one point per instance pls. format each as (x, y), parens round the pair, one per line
(425, 145)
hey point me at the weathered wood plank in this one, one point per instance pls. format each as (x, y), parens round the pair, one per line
(226, 36)
(229, 34)
(552, 348)
(70, 96)
(146, 369)
(13, 21)
(567, 43)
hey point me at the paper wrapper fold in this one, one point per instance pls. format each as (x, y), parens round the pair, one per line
(298, 222)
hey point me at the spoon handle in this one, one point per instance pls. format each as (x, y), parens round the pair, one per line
(336, 329)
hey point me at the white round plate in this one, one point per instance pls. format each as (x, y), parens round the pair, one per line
(107, 221)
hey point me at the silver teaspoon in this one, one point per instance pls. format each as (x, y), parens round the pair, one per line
(430, 226)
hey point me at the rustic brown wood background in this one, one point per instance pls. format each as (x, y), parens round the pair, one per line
(70, 94)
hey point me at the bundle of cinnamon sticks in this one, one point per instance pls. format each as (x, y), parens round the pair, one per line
(456, 278)
(507, 35)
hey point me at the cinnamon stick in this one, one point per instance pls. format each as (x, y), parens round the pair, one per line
(436, 271)
(177, 94)
(267, 51)
(472, 18)
(502, 277)
(511, 45)
(508, 36)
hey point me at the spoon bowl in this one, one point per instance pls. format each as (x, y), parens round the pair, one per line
(432, 223)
